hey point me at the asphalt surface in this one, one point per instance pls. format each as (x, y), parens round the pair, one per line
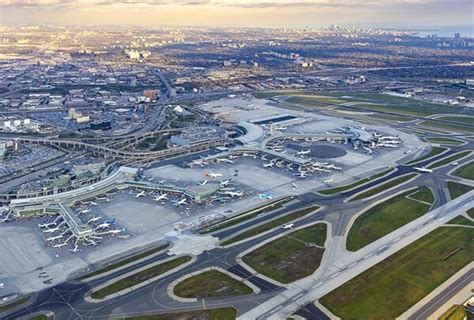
(66, 300)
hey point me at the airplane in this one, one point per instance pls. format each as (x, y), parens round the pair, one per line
(268, 196)
(422, 169)
(59, 245)
(332, 166)
(103, 226)
(115, 231)
(288, 226)
(85, 211)
(234, 194)
(294, 185)
(268, 165)
(302, 174)
(76, 249)
(2, 285)
(141, 194)
(54, 238)
(202, 183)
(303, 152)
(212, 175)
(46, 225)
(249, 155)
(328, 181)
(182, 201)
(224, 160)
(51, 230)
(161, 197)
(224, 183)
(92, 203)
(94, 219)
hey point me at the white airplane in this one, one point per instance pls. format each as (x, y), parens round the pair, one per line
(85, 211)
(422, 169)
(46, 225)
(54, 238)
(268, 165)
(212, 174)
(328, 181)
(103, 226)
(182, 201)
(224, 183)
(2, 285)
(94, 219)
(224, 160)
(455, 163)
(288, 226)
(92, 203)
(51, 230)
(59, 245)
(76, 249)
(141, 194)
(303, 152)
(294, 185)
(202, 183)
(248, 155)
(302, 175)
(332, 166)
(234, 194)
(115, 231)
(161, 197)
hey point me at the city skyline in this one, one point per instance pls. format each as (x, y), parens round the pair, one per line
(261, 13)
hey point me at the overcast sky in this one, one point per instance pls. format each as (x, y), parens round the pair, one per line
(266, 13)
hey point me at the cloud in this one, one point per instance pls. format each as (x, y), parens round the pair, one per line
(222, 3)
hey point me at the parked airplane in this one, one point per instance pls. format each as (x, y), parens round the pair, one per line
(294, 185)
(141, 194)
(103, 226)
(303, 152)
(54, 238)
(224, 183)
(51, 230)
(267, 195)
(115, 231)
(161, 197)
(46, 225)
(91, 203)
(94, 219)
(59, 245)
(180, 202)
(288, 226)
(212, 174)
(328, 181)
(224, 160)
(422, 169)
(76, 249)
(234, 194)
(202, 183)
(85, 211)
(268, 165)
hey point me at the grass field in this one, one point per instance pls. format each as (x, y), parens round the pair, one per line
(384, 186)
(14, 304)
(139, 277)
(386, 217)
(124, 262)
(465, 120)
(39, 317)
(270, 225)
(446, 126)
(456, 312)
(450, 141)
(271, 94)
(290, 257)
(422, 194)
(275, 205)
(470, 212)
(466, 171)
(227, 313)
(393, 285)
(355, 184)
(434, 152)
(462, 221)
(449, 159)
(211, 283)
(458, 189)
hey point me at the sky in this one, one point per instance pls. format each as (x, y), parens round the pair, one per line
(250, 13)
